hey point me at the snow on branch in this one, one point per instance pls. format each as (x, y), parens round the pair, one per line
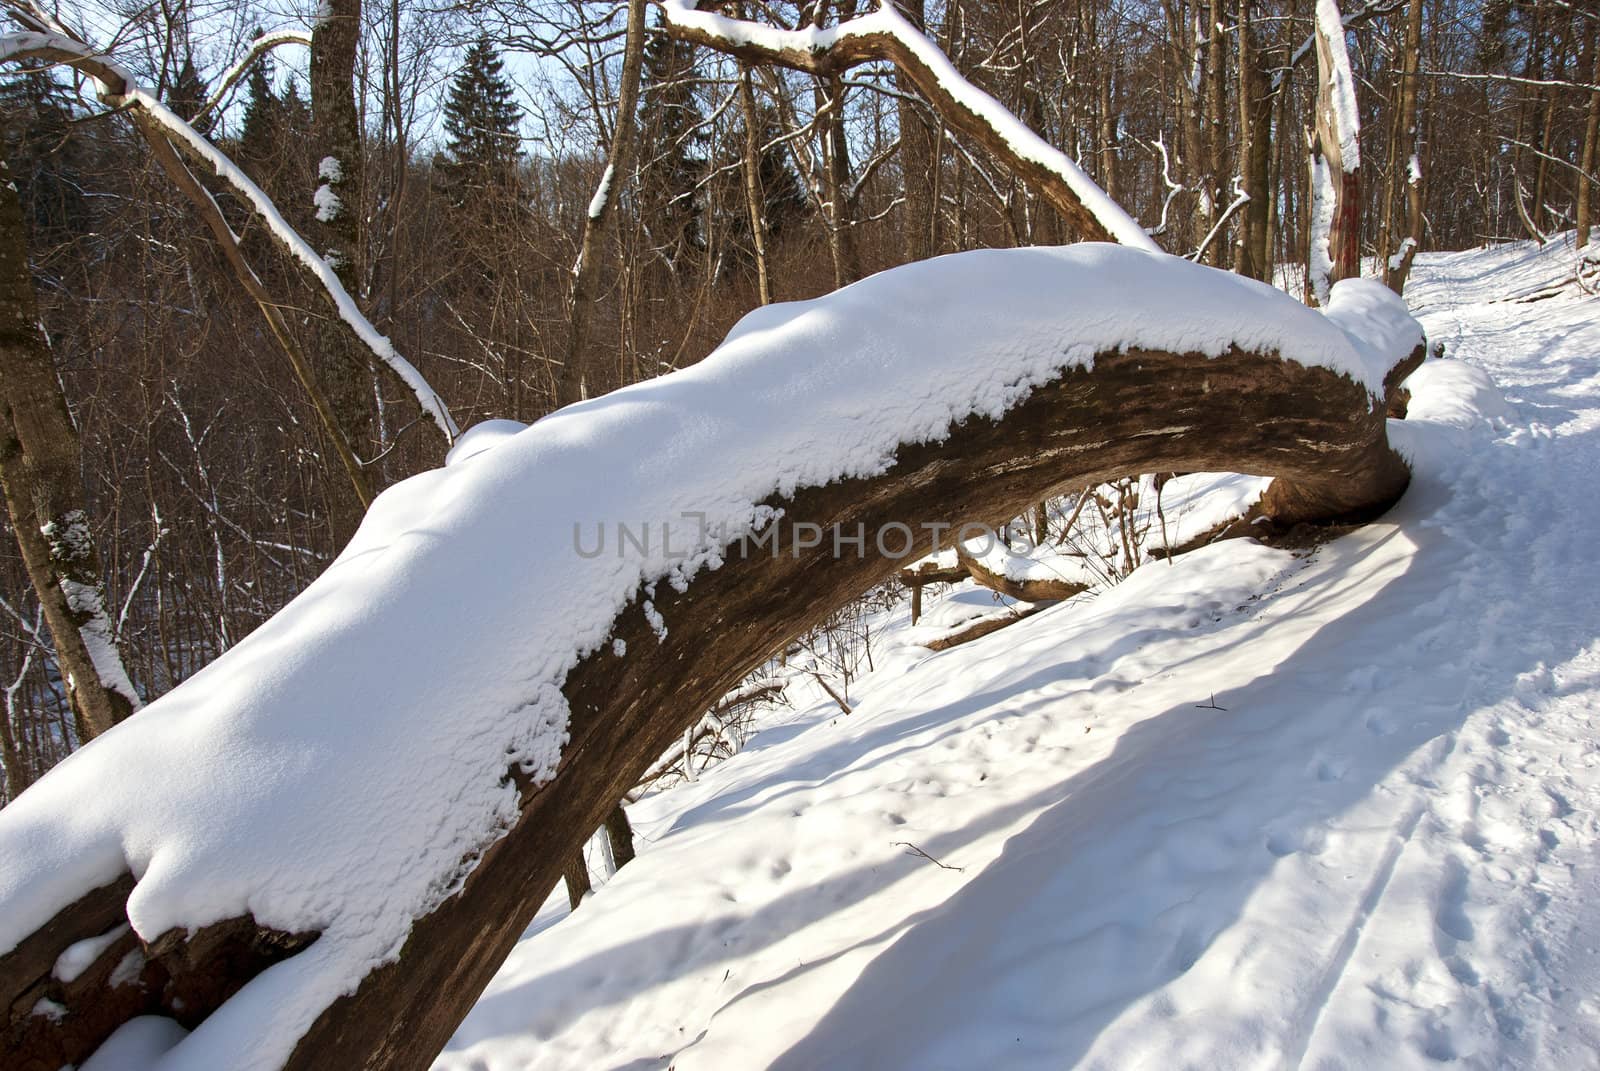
(258, 48)
(885, 34)
(119, 89)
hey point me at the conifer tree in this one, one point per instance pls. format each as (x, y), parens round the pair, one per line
(47, 156)
(187, 95)
(263, 116)
(481, 118)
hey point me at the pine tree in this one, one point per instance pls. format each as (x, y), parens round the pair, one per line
(47, 156)
(481, 118)
(263, 117)
(187, 95)
(671, 139)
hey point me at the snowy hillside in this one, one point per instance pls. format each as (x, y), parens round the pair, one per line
(1250, 809)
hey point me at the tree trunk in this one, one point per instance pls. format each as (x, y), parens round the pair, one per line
(916, 155)
(754, 196)
(619, 831)
(1338, 141)
(576, 876)
(1256, 102)
(1124, 412)
(346, 368)
(1591, 129)
(40, 472)
(1216, 127)
(572, 383)
(1399, 266)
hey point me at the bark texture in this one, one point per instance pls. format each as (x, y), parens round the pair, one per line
(40, 473)
(1135, 411)
(337, 196)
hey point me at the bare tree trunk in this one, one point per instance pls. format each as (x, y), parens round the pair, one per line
(1591, 129)
(1216, 126)
(40, 471)
(917, 140)
(572, 383)
(754, 196)
(1398, 267)
(576, 876)
(1256, 102)
(346, 368)
(620, 833)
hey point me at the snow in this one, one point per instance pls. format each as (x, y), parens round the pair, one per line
(283, 779)
(1341, 85)
(327, 204)
(1322, 208)
(484, 435)
(1037, 563)
(1325, 809)
(70, 538)
(329, 169)
(886, 19)
(80, 955)
(602, 193)
(1202, 502)
(137, 1044)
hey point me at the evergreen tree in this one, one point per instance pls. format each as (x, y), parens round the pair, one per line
(671, 143)
(48, 157)
(187, 95)
(263, 117)
(481, 118)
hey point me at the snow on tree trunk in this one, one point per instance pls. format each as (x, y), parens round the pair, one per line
(40, 472)
(272, 806)
(1336, 223)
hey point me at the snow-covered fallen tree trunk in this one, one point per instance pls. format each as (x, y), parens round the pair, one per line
(341, 826)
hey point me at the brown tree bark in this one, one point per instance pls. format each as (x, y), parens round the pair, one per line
(917, 156)
(1256, 105)
(619, 831)
(1591, 131)
(1216, 126)
(40, 473)
(1135, 411)
(754, 196)
(1396, 271)
(336, 186)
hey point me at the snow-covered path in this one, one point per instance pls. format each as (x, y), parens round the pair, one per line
(1374, 847)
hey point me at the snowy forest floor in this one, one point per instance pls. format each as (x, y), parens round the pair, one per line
(1250, 809)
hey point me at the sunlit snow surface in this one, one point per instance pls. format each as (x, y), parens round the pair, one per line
(1380, 852)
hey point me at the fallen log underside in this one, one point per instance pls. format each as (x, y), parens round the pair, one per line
(1136, 411)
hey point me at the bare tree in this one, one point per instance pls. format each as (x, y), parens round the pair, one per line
(42, 479)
